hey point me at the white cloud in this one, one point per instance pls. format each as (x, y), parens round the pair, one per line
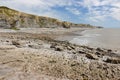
(74, 11)
(98, 10)
(101, 9)
(39, 7)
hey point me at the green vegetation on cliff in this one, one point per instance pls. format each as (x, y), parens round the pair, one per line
(10, 18)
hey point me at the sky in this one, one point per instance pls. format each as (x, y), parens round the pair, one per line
(104, 13)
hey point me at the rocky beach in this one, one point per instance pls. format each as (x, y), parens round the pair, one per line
(30, 50)
(37, 56)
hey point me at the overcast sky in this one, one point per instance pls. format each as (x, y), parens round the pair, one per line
(96, 12)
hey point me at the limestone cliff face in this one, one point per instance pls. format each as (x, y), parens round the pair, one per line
(10, 18)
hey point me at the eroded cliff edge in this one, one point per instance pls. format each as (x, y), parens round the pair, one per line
(10, 18)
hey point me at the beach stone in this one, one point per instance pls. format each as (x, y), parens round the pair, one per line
(35, 46)
(90, 48)
(53, 45)
(97, 53)
(91, 56)
(99, 49)
(59, 48)
(69, 48)
(74, 52)
(15, 42)
(109, 50)
(81, 52)
(112, 60)
(18, 43)
(72, 47)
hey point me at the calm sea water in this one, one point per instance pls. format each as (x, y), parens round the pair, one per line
(106, 38)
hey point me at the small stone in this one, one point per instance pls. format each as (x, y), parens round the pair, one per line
(90, 48)
(91, 56)
(18, 43)
(53, 46)
(81, 52)
(59, 48)
(97, 53)
(113, 60)
(99, 49)
(7, 41)
(35, 46)
(69, 48)
(109, 50)
(72, 47)
(15, 42)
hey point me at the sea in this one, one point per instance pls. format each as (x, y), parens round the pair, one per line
(104, 38)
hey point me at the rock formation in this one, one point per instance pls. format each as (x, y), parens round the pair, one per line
(10, 18)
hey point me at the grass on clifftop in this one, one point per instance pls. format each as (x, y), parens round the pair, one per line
(14, 28)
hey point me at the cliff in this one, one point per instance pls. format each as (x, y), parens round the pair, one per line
(10, 18)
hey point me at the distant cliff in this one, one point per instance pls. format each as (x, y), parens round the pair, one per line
(10, 18)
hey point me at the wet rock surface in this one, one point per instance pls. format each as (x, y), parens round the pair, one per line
(90, 53)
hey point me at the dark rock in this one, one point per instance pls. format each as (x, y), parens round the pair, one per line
(91, 56)
(99, 49)
(74, 63)
(59, 48)
(69, 48)
(98, 53)
(35, 46)
(72, 47)
(109, 50)
(16, 43)
(82, 52)
(113, 60)
(90, 48)
(7, 41)
(74, 52)
(53, 45)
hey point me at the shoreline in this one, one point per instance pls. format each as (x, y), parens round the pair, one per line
(86, 35)
(29, 56)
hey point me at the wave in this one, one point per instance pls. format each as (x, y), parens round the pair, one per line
(80, 41)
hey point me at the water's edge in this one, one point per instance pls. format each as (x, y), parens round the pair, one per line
(104, 38)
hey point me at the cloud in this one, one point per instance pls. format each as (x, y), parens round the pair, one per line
(101, 9)
(39, 7)
(74, 11)
(96, 10)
